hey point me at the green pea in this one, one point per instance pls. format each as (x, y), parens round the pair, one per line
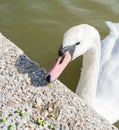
(51, 126)
(40, 122)
(53, 115)
(43, 123)
(11, 127)
(22, 114)
(3, 119)
(17, 111)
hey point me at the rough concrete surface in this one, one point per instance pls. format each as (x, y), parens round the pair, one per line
(27, 102)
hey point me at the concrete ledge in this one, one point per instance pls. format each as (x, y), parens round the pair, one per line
(23, 87)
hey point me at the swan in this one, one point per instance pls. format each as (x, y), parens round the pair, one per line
(98, 85)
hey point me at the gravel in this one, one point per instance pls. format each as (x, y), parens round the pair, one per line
(26, 98)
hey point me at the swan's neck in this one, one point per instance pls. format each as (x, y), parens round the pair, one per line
(89, 76)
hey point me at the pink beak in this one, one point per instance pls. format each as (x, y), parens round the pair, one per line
(58, 67)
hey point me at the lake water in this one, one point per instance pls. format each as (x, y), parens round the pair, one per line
(37, 26)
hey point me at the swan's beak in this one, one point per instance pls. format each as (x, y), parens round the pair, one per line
(58, 67)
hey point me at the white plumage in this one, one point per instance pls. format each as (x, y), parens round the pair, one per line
(107, 96)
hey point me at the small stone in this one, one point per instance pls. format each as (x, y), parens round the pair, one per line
(45, 113)
(37, 106)
(50, 109)
(38, 101)
(64, 120)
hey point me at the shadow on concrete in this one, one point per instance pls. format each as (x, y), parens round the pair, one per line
(36, 73)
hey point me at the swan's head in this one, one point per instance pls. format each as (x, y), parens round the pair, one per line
(76, 42)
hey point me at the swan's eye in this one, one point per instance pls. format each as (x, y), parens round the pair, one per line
(77, 43)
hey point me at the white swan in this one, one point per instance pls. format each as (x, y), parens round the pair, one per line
(99, 82)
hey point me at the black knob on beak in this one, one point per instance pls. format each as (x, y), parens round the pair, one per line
(62, 51)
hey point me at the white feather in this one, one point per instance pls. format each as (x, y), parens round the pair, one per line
(107, 97)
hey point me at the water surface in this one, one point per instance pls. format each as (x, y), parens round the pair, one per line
(37, 26)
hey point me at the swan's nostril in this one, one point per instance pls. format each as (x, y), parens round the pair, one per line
(48, 78)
